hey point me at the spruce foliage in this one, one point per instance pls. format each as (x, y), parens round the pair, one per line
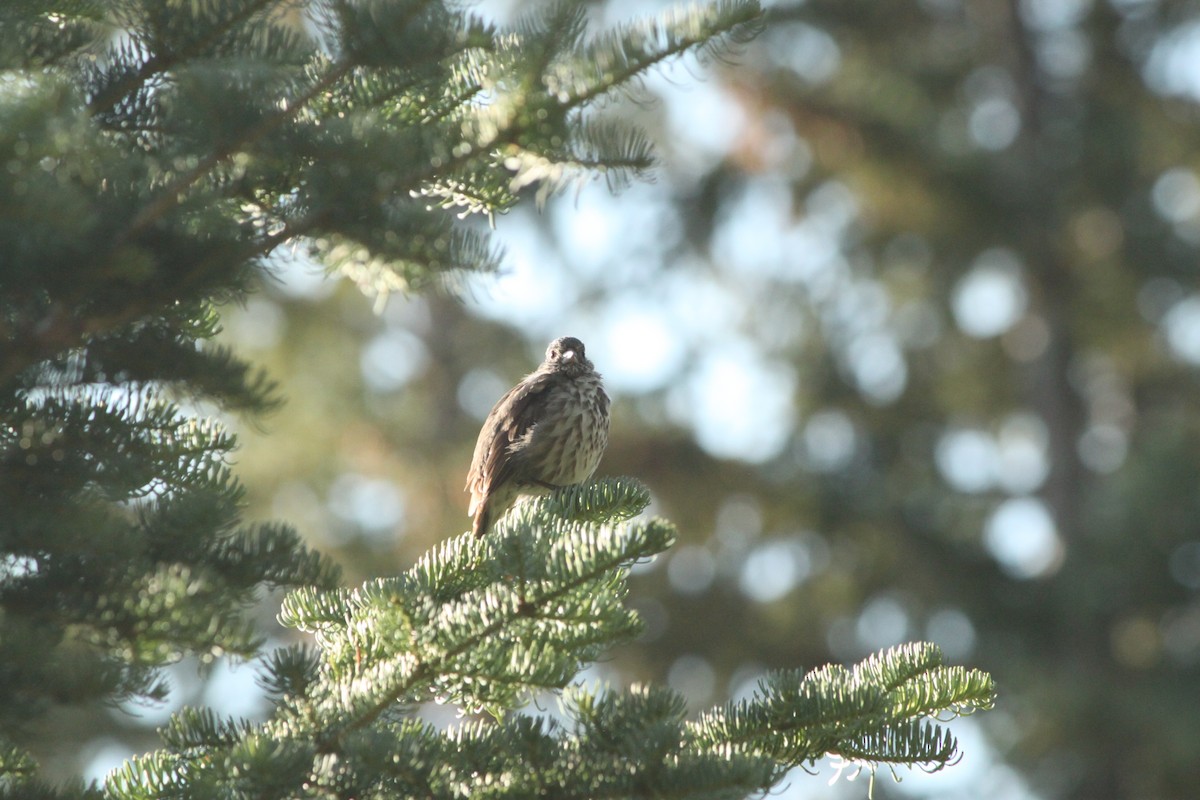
(488, 623)
(155, 154)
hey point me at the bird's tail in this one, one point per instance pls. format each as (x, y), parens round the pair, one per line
(483, 518)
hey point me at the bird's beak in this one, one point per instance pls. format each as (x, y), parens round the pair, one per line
(568, 355)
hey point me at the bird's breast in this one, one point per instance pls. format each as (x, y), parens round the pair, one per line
(569, 440)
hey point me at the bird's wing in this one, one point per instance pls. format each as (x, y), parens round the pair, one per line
(509, 421)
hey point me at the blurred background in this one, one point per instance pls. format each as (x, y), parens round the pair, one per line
(905, 338)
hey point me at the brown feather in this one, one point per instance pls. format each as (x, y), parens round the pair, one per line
(507, 425)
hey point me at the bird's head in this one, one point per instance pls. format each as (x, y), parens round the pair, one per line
(566, 355)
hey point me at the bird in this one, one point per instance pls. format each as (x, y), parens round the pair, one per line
(548, 431)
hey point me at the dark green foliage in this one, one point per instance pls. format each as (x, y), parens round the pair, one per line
(798, 718)
(484, 622)
(122, 543)
(477, 626)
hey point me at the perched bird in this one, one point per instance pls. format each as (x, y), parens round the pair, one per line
(548, 431)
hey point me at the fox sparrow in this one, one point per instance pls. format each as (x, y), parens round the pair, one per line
(549, 430)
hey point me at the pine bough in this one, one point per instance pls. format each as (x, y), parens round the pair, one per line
(488, 623)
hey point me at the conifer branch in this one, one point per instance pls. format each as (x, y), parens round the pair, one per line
(160, 62)
(342, 729)
(872, 712)
(174, 193)
(578, 558)
(629, 51)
